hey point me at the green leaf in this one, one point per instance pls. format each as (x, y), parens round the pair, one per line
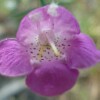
(43, 3)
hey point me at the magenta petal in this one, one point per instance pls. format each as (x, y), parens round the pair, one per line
(64, 23)
(82, 52)
(13, 59)
(52, 78)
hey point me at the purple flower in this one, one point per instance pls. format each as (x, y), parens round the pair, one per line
(49, 50)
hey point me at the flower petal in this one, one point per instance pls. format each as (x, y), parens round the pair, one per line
(66, 22)
(82, 52)
(37, 20)
(51, 78)
(14, 60)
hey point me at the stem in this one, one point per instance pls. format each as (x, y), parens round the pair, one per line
(43, 3)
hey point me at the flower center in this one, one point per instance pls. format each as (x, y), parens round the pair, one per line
(48, 47)
(46, 37)
(45, 45)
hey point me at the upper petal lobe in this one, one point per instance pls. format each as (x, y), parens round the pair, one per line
(37, 20)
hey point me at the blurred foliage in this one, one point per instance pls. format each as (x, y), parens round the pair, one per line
(43, 2)
(87, 12)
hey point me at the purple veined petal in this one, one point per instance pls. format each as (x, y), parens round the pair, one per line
(66, 22)
(51, 79)
(40, 19)
(14, 60)
(82, 52)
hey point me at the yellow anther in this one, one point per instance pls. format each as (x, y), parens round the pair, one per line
(54, 48)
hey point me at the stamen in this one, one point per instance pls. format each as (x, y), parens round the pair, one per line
(57, 53)
(52, 44)
(47, 37)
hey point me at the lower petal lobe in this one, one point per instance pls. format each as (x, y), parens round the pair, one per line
(14, 60)
(82, 52)
(51, 78)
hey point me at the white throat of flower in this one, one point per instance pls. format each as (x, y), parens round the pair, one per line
(48, 37)
(47, 47)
